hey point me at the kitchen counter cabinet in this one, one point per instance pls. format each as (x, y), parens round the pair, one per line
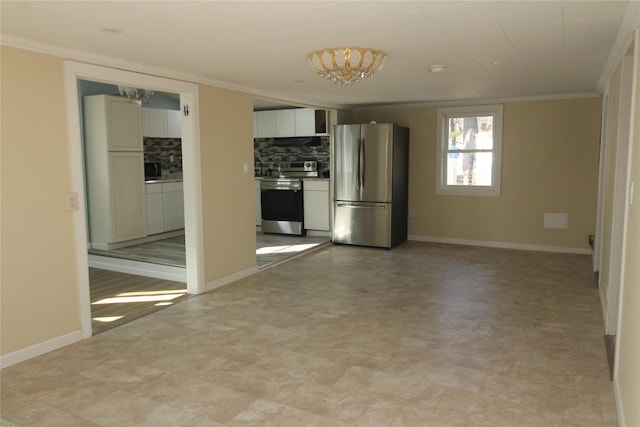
(165, 206)
(316, 204)
(173, 205)
(155, 216)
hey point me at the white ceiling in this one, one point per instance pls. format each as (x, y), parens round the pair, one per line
(542, 47)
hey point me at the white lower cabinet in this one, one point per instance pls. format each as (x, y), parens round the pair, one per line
(165, 207)
(316, 205)
(173, 205)
(155, 217)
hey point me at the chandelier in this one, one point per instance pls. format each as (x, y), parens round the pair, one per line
(133, 94)
(346, 66)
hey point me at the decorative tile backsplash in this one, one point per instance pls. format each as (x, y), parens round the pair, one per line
(268, 152)
(161, 150)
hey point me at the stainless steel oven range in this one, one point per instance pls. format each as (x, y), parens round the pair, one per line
(281, 197)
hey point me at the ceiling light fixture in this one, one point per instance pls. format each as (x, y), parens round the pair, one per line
(346, 66)
(135, 95)
(438, 68)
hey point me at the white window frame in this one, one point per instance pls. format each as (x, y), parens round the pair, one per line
(442, 144)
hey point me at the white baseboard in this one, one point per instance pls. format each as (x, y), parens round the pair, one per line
(502, 245)
(39, 349)
(620, 410)
(157, 271)
(230, 278)
(318, 233)
(603, 304)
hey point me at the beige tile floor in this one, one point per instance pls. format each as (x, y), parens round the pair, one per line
(422, 335)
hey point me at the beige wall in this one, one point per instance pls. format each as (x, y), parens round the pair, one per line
(611, 136)
(39, 292)
(628, 376)
(228, 194)
(39, 288)
(549, 164)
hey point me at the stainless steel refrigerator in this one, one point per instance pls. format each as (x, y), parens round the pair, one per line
(371, 164)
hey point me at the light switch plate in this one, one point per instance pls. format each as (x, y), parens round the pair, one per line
(72, 202)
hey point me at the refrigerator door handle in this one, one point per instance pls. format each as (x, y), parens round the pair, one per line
(358, 183)
(364, 164)
(361, 159)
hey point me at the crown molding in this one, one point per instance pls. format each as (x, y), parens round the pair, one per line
(484, 101)
(630, 23)
(106, 61)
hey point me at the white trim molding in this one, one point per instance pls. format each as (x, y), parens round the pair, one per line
(501, 245)
(626, 34)
(443, 154)
(218, 283)
(477, 101)
(40, 348)
(620, 410)
(111, 62)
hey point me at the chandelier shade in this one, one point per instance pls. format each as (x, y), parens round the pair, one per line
(346, 66)
(135, 95)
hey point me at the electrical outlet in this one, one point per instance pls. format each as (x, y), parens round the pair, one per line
(72, 202)
(412, 213)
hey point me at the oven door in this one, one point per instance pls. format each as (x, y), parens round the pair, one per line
(282, 211)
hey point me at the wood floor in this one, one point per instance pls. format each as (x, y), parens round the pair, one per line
(270, 249)
(118, 298)
(170, 251)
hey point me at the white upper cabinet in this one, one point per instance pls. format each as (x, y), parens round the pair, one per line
(266, 124)
(122, 119)
(305, 121)
(114, 170)
(157, 123)
(174, 129)
(290, 122)
(285, 123)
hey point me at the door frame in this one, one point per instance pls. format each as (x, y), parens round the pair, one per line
(620, 194)
(74, 71)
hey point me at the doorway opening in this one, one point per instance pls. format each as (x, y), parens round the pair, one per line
(190, 276)
(135, 210)
(296, 163)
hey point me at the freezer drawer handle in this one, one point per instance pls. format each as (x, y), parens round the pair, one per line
(360, 206)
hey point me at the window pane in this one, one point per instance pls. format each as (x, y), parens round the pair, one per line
(470, 133)
(469, 169)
